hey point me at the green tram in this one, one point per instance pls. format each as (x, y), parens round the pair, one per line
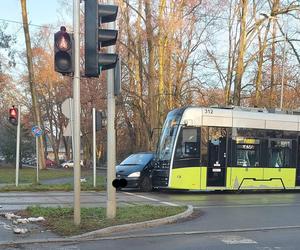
(228, 149)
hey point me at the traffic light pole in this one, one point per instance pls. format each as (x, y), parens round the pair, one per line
(18, 146)
(94, 146)
(76, 110)
(111, 136)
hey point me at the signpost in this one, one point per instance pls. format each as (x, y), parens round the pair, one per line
(18, 146)
(94, 147)
(37, 132)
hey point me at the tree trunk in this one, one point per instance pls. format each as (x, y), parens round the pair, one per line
(241, 52)
(35, 104)
(161, 62)
(231, 56)
(151, 74)
(273, 55)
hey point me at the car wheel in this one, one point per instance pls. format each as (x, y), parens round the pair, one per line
(66, 166)
(146, 184)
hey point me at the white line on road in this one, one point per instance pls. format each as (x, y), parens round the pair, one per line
(169, 204)
(152, 199)
(235, 239)
(141, 196)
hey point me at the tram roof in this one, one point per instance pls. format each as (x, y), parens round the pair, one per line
(242, 117)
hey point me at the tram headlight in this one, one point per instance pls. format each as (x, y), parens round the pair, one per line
(135, 174)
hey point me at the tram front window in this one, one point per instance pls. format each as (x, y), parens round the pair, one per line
(166, 144)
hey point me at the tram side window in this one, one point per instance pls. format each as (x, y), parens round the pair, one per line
(247, 152)
(280, 153)
(188, 144)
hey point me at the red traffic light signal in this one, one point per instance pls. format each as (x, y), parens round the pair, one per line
(13, 116)
(63, 51)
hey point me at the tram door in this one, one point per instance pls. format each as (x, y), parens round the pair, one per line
(216, 169)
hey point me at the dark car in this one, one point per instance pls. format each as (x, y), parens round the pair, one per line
(136, 169)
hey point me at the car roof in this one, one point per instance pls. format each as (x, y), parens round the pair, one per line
(143, 153)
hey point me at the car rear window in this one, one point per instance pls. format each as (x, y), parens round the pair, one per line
(137, 159)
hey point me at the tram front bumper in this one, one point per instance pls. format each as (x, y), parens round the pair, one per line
(160, 178)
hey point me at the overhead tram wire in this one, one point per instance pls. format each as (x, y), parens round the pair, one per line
(18, 22)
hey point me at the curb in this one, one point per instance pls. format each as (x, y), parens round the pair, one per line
(106, 231)
(139, 225)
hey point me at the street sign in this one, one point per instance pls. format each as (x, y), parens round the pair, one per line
(66, 107)
(67, 110)
(68, 130)
(36, 131)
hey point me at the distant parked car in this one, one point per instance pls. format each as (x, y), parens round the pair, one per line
(50, 163)
(137, 169)
(70, 164)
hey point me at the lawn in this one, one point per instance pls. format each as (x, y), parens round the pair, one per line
(27, 179)
(60, 220)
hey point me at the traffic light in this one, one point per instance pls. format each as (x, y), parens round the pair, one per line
(100, 120)
(95, 38)
(13, 116)
(117, 78)
(63, 51)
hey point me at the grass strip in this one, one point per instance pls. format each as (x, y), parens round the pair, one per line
(53, 187)
(28, 175)
(60, 220)
(27, 180)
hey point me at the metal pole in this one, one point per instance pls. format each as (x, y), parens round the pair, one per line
(111, 136)
(71, 125)
(94, 146)
(18, 146)
(76, 110)
(37, 158)
(283, 72)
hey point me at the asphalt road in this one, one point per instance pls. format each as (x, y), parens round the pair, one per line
(259, 240)
(224, 221)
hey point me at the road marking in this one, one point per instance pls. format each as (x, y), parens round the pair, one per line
(141, 196)
(234, 239)
(269, 248)
(152, 199)
(169, 204)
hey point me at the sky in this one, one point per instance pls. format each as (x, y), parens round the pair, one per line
(40, 12)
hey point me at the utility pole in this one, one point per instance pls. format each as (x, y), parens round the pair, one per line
(76, 110)
(111, 206)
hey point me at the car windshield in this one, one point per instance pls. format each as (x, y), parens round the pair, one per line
(136, 159)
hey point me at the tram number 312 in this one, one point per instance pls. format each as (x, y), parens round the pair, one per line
(209, 111)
